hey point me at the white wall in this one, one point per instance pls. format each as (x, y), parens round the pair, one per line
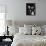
(17, 10)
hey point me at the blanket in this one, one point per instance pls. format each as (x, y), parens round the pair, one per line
(29, 40)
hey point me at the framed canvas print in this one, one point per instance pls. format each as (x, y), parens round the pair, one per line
(30, 9)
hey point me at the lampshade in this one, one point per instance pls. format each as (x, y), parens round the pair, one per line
(9, 22)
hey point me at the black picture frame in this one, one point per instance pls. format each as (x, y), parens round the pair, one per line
(30, 9)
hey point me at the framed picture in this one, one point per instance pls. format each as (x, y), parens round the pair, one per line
(30, 9)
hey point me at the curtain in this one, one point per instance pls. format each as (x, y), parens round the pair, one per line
(2, 19)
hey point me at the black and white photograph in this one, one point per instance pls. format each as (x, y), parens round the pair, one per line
(30, 9)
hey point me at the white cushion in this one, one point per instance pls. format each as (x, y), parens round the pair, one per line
(44, 27)
(28, 31)
(21, 30)
(24, 30)
(36, 30)
(42, 30)
(28, 26)
(13, 30)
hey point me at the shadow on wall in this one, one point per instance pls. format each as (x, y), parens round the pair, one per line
(21, 23)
